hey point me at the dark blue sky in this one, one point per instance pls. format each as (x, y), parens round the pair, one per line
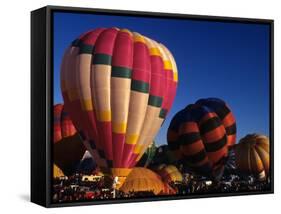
(214, 59)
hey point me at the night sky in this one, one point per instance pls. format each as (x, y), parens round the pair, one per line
(214, 59)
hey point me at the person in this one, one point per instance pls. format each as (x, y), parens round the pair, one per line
(114, 185)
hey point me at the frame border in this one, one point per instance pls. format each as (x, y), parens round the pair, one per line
(49, 96)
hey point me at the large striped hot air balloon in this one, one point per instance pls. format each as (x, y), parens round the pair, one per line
(201, 135)
(252, 155)
(118, 87)
(68, 148)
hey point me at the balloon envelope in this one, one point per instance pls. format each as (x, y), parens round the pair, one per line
(170, 174)
(118, 87)
(201, 134)
(143, 179)
(252, 155)
(68, 148)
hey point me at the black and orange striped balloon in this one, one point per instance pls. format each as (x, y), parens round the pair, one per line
(201, 135)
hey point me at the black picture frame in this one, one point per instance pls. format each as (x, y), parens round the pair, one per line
(42, 90)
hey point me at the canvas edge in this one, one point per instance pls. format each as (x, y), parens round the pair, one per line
(48, 44)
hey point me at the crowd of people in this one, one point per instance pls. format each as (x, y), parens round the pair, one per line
(75, 189)
(224, 186)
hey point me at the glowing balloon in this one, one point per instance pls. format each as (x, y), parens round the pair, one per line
(143, 179)
(170, 174)
(118, 87)
(252, 155)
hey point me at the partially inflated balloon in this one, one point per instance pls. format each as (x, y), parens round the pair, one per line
(201, 134)
(170, 174)
(252, 155)
(143, 180)
(118, 87)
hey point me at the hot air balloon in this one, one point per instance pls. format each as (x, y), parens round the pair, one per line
(224, 114)
(252, 155)
(170, 174)
(201, 134)
(68, 148)
(118, 87)
(144, 180)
